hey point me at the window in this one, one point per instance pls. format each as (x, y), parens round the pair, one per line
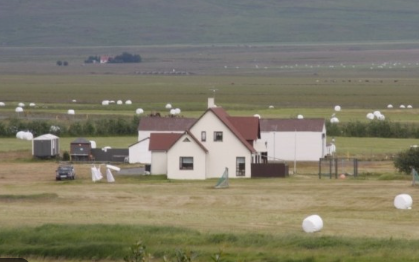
(203, 136)
(218, 136)
(240, 166)
(186, 163)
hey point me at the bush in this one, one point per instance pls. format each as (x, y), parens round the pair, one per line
(66, 156)
(406, 160)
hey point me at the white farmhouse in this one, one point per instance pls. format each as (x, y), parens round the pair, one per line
(214, 142)
(294, 139)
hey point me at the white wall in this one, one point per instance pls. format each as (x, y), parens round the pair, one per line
(221, 154)
(139, 153)
(144, 154)
(186, 149)
(158, 163)
(300, 146)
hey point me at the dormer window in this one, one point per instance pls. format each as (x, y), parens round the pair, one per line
(218, 136)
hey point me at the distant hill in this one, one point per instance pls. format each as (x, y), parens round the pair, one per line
(158, 22)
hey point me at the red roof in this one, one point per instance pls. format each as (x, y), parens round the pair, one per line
(247, 126)
(162, 141)
(165, 123)
(290, 125)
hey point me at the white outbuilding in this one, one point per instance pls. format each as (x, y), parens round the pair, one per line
(294, 139)
(45, 146)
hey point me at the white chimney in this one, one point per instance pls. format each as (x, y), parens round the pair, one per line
(211, 102)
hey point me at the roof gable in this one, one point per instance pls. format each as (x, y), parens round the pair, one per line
(194, 139)
(165, 123)
(291, 125)
(164, 141)
(222, 115)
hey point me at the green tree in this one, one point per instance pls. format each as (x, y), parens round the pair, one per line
(406, 160)
(125, 57)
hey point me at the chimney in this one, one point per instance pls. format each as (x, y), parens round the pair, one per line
(211, 102)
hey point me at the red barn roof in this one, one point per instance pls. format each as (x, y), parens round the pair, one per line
(290, 125)
(165, 123)
(162, 141)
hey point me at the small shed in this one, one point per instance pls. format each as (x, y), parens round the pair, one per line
(80, 150)
(45, 146)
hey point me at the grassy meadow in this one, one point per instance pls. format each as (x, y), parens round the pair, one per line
(253, 220)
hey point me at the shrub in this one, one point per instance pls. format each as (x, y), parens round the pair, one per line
(404, 161)
(66, 156)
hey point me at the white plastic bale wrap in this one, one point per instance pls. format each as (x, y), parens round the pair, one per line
(96, 174)
(113, 167)
(20, 134)
(27, 136)
(403, 201)
(312, 224)
(109, 176)
(93, 169)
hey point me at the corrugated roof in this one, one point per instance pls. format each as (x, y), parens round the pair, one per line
(289, 125)
(46, 137)
(163, 141)
(165, 123)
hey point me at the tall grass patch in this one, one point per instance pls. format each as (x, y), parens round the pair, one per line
(113, 242)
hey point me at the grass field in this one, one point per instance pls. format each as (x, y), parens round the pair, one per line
(253, 220)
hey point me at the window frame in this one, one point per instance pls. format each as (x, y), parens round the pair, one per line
(203, 136)
(240, 166)
(186, 165)
(218, 136)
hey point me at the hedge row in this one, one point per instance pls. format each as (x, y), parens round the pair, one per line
(375, 128)
(100, 127)
(125, 126)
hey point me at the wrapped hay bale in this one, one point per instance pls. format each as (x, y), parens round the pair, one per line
(403, 201)
(312, 224)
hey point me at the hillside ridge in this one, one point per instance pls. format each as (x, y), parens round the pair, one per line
(157, 22)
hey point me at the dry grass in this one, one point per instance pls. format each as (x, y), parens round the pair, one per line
(350, 207)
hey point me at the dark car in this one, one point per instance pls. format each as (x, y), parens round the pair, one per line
(65, 172)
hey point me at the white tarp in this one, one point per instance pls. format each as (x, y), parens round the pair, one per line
(312, 224)
(113, 167)
(96, 174)
(403, 201)
(109, 176)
